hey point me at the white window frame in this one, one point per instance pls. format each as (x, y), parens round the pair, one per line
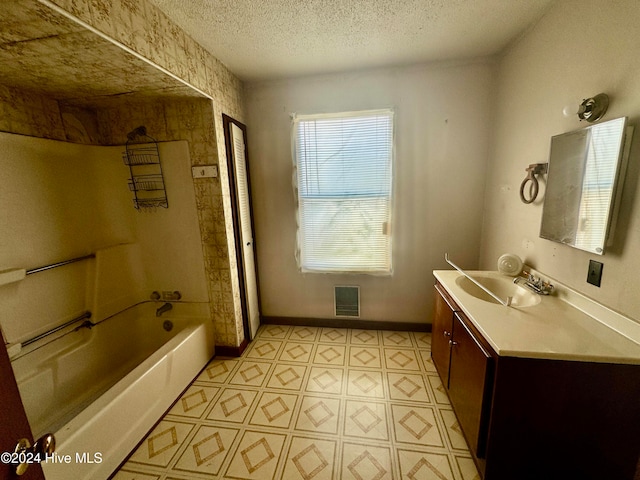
(341, 231)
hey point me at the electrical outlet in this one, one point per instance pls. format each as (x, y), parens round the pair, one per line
(595, 273)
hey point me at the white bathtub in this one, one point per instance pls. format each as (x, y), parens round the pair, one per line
(100, 390)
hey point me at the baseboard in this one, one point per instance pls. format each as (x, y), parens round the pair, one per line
(225, 351)
(347, 323)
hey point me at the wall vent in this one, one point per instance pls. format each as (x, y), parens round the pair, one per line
(347, 301)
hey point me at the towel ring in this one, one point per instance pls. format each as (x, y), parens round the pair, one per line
(533, 170)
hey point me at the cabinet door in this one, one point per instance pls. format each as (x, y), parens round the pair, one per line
(441, 334)
(470, 374)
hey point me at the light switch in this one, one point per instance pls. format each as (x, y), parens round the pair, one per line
(204, 171)
(595, 273)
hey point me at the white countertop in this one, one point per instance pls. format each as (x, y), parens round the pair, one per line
(551, 329)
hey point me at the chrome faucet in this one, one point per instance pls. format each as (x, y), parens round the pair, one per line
(164, 308)
(535, 284)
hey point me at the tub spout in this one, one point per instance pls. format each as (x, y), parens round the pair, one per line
(164, 308)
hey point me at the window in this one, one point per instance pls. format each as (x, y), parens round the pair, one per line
(343, 183)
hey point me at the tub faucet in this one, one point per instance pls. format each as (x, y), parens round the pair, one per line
(164, 308)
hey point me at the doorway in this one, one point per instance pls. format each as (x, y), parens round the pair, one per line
(235, 134)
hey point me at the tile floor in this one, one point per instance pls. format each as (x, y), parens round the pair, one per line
(311, 403)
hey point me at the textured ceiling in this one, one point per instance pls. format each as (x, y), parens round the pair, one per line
(45, 52)
(267, 39)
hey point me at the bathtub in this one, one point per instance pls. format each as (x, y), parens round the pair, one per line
(100, 390)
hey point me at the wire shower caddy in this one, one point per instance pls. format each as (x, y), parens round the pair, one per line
(146, 180)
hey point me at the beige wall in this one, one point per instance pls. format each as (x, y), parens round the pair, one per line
(578, 49)
(442, 128)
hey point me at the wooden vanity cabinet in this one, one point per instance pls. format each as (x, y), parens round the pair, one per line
(465, 365)
(441, 333)
(535, 418)
(470, 378)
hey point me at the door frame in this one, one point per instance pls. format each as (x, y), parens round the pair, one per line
(14, 424)
(226, 122)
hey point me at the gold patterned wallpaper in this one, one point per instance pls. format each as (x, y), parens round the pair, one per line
(43, 51)
(86, 89)
(143, 28)
(31, 114)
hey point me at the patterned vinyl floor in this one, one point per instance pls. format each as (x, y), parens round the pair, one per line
(311, 403)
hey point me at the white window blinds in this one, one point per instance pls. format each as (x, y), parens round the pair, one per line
(343, 172)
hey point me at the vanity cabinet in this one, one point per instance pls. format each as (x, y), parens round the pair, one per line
(465, 365)
(441, 333)
(470, 376)
(537, 418)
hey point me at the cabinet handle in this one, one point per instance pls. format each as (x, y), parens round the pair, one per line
(446, 334)
(453, 343)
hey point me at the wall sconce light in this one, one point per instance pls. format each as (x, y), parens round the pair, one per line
(591, 109)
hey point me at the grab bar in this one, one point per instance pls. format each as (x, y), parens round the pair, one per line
(59, 264)
(86, 314)
(506, 302)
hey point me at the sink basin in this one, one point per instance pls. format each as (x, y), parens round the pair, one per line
(501, 286)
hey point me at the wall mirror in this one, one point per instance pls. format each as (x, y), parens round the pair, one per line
(586, 171)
